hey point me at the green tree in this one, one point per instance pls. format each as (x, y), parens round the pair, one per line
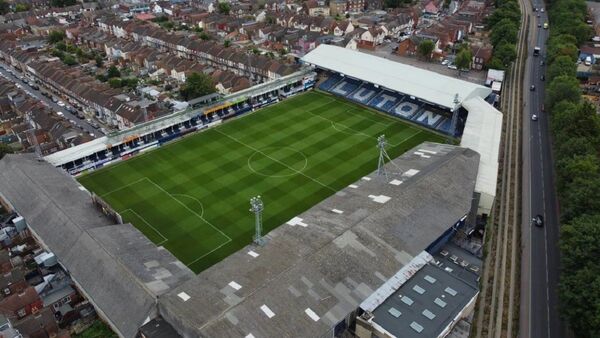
(224, 8)
(4, 7)
(463, 59)
(62, 3)
(397, 3)
(495, 63)
(505, 30)
(506, 53)
(226, 43)
(69, 60)
(5, 149)
(56, 36)
(561, 88)
(21, 8)
(196, 85)
(425, 48)
(579, 292)
(204, 36)
(99, 61)
(115, 82)
(562, 65)
(113, 71)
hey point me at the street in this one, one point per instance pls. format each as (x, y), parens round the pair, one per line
(540, 261)
(82, 124)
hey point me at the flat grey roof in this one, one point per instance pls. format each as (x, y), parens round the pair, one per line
(318, 267)
(117, 267)
(425, 305)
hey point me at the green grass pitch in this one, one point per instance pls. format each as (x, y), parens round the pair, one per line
(192, 196)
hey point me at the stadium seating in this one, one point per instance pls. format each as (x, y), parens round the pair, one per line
(406, 109)
(345, 87)
(363, 94)
(330, 82)
(385, 101)
(396, 104)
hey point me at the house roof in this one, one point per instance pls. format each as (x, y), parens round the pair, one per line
(318, 267)
(426, 85)
(115, 265)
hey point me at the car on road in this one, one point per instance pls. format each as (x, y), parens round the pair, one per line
(542, 10)
(532, 88)
(60, 114)
(542, 63)
(54, 99)
(542, 78)
(539, 25)
(538, 221)
(534, 117)
(95, 125)
(60, 103)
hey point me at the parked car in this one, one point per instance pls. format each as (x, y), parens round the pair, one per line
(452, 66)
(445, 62)
(538, 221)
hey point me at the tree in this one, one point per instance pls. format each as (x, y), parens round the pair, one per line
(69, 60)
(505, 30)
(62, 3)
(5, 149)
(196, 85)
(425, 48)
(396, 3)
(579, 293)
(495, 63)
(562, 65)
(506, 53)
(563, 88)
(115, 82)
(226, 43)
(99, 61)
(4, 7)
(204, 36)
(224, 8)
(463, 59)
(56, 36)
(113, 71)
(21, 8)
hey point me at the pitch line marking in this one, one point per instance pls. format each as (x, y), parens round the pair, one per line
(275, 160)
(186, 207)
(165, 239)
(278, 176)
(192, 198)
(359, 133)
(123, 187)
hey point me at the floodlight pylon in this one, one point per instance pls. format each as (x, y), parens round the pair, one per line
(257, 206)
(381, 144)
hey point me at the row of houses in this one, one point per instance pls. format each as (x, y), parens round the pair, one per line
(152, 61)
(28, 124)
(256, 67)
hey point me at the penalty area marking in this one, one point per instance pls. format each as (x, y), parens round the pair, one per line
(262, 152)
(165, 239)
(199, 216)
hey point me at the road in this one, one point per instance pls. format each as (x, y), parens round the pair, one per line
(540, 262)
(83, 125)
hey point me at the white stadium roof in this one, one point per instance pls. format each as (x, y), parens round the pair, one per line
(423, 84)
(482, 133)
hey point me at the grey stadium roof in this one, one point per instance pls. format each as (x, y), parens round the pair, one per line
(426, 85)
(117, 267)
(321, 265)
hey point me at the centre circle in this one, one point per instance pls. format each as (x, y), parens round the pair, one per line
(277, 162)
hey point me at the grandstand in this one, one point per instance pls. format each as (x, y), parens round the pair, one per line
(422, 97)
(444, 104)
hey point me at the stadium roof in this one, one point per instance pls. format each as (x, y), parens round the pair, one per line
(482, 133)
(318, 267)
(116, 266)
(423, 84)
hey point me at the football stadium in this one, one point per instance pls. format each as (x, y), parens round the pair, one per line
(192, 196)
(324, 201)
